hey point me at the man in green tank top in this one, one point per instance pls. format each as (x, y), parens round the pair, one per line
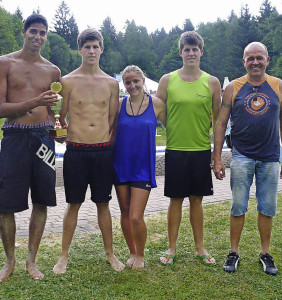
(192, 96)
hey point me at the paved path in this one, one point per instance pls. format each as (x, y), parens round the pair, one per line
(87, 220)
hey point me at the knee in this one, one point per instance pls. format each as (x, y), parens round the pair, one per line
(136, 219)
(39, 208)
(73, 208)
(124, 211)
(195, 201)
(102, 207)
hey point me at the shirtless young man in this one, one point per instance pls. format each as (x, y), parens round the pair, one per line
(25, 97)
(90, 97)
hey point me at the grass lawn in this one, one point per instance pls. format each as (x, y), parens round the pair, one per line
(90, 277)
(161, 136)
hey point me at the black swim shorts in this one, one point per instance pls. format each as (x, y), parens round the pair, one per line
(27, 161)
(88, 164)
(188, 173)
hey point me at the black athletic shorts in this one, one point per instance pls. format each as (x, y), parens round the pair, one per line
(143, 185)
(27, 160)
(188, 173)
(88, 164)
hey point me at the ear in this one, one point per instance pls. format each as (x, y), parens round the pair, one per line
(23, 32)
(244, 62)
(202, 51)
(102, 50)
(180, 52)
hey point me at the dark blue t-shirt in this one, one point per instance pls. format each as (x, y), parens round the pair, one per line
(255, 119)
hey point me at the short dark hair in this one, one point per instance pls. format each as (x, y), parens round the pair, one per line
(35, 18)
(191, 38)
(90, 34)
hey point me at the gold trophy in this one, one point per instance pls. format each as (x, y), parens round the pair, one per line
(58, 131)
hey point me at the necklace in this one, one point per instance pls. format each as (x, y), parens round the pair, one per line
(139, 106)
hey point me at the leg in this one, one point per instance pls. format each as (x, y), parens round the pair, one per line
(242, 172)
(267, 177)
(69, 225)
(36, 228)
(197, 223)
(265, 259)
(139, 199)
(8, 233)
(123, 195)
(105, 224)
(265, 227)
(236, 227)
(174, 216)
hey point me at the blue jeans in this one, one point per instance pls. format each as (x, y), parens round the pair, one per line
(243, 170)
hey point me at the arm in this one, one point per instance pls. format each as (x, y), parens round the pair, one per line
(220, 127)
(215, 89)
(113, 106)
(17, 109)
(65, 93)
(280, 97)
(162, 88)
(160, 109)
(114, 130)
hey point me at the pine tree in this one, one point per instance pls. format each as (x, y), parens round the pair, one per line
(73, 33)
(65, 25)
(266, 10)
(19, 13)
(188, 26)
(37, 12)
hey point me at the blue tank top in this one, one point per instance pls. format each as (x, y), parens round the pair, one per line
(135, 146)
(255, 119)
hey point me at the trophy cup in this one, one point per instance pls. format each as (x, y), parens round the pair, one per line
(58, 131)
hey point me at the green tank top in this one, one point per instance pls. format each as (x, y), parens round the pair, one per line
(189, 106)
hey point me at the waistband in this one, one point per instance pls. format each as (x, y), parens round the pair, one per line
(15, 125)
(81, 146)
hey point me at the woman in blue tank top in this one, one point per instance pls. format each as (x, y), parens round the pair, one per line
(134, 159)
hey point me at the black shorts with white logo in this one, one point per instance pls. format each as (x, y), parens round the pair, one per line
(88, 164)
(27, 161)
(188, 173)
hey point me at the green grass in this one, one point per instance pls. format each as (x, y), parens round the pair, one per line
(90, 277)
(161, 139)
(1, 132)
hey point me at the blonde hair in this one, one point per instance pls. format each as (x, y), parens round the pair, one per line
(136, 69)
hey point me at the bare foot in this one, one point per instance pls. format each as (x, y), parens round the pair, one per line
(138, 263)
(61, 266)
(209, 260)
(7, 270)
(115, 263)
(130, 261)
(33, 271)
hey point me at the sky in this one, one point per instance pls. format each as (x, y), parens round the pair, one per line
(152, 14)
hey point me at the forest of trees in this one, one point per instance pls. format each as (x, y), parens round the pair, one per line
(156, 53)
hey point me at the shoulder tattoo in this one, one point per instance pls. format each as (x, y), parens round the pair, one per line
(226, 105)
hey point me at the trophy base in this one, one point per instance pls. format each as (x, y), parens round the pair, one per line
(58, 133)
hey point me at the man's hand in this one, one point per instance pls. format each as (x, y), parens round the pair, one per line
(219, 169)
(48, 98)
